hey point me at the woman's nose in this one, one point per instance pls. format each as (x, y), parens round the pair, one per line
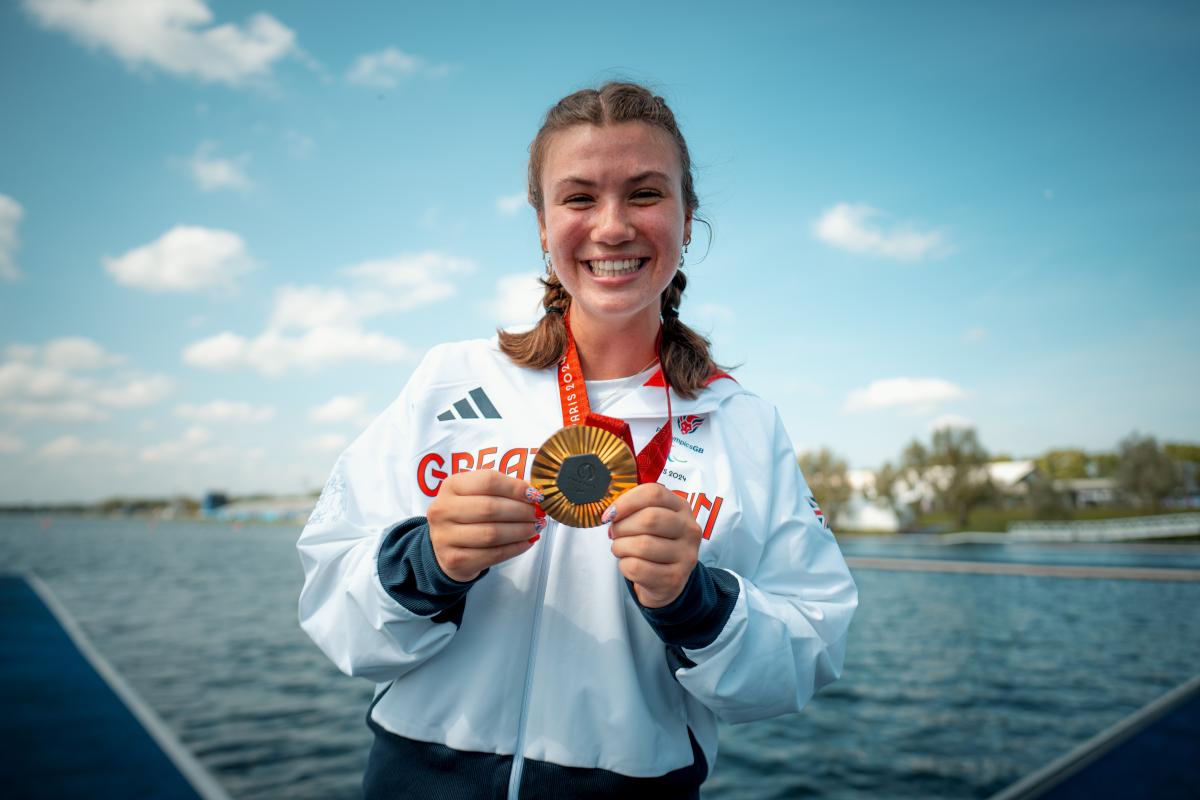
(613, 225)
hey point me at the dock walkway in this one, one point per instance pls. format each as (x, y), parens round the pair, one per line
(1153, 753)
(71, 726)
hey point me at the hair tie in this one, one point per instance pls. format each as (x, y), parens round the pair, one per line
(670, 314)
(554, 310)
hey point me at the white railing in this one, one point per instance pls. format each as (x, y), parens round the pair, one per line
(1165, 526)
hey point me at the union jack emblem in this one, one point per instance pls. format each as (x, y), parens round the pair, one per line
(812, 502)
(689, 423)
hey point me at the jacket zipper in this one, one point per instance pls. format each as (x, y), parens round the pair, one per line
(518, 765)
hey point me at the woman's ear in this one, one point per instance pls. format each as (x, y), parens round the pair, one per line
(541, 218)
(687, 226)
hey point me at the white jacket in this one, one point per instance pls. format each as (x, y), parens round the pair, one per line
(554, 659)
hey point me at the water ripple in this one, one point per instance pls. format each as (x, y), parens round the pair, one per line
(955, 685)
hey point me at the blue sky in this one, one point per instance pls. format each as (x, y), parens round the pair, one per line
(229, 230)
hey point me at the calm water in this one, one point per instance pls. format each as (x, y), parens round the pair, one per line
(955, 685)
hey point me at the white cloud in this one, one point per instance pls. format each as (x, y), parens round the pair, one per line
(10, 444)
(385, 286)
(305, 307)
(299, 145)
(11, 213)
(317, 326)
(20, 379)
(974, 335)
(54, 411)
(77, 353)
(326, 443)
(21, 352)
(412, 272)
(176, 36)
(343, 408)
(184, 259)
(42, 382)
(913, 393)
(225, 411)
(429, 218)
(73, 447)
(136, 392)
(950, 422)
(510, 204)
(272, 353)
(189, 447)
(212, 173)
(854, 228)
(516, 300)
(388, 67)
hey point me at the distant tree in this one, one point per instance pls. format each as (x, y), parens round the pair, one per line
(1045, 500)
(952, 470)
(885, 485)
(1103, 465)
(1187, 460)
(826, 476)
(1182, 452)
(1145, 471)
(963, 481)
(1064, 465)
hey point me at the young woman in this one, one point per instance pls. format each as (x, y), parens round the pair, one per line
(523, 657)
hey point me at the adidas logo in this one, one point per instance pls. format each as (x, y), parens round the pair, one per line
(483, 407)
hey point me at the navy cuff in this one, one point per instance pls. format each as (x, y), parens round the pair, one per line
(411, 575)
(696, 618)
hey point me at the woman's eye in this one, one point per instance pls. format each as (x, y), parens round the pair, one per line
(647, 194)
(577, 199)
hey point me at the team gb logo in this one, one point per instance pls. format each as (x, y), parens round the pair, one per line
(689, 423)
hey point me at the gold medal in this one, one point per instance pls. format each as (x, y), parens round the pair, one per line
(581, 470)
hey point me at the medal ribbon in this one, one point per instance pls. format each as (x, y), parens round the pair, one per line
(576, 410)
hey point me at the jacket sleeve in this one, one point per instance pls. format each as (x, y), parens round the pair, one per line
(374, 599)
(761, 641)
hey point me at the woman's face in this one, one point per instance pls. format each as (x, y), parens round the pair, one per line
(613, 220)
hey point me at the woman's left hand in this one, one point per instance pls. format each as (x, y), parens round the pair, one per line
(657, 541)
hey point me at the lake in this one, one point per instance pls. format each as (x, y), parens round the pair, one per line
(954, 687)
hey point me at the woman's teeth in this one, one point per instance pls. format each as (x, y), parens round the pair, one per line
(619, 266)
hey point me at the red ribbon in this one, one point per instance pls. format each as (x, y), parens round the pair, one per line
(572, 393)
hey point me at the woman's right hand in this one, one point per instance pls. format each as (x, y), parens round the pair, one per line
(482, 518)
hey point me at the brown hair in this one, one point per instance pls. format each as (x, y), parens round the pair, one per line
(686, 360)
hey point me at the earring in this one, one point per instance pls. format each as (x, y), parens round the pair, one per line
(548, 262)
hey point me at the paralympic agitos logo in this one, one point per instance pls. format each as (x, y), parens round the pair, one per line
(433, 468)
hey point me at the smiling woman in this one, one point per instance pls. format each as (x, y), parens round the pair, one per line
(610, 178)
(586, 666)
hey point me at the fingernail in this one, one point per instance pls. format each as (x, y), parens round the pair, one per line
(535, 538)
(609, 515)
(538, 511)
(533, 495)
(539, 526)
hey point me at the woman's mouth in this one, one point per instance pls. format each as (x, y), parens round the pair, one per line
(608, 268)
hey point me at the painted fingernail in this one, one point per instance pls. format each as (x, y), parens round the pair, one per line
(609, 515)
(535, 538)
(539, 525)
(538, 511)
(533, 495)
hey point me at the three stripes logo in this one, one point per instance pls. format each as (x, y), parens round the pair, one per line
(465, 410)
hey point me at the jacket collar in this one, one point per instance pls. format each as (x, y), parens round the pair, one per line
(651, 401)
